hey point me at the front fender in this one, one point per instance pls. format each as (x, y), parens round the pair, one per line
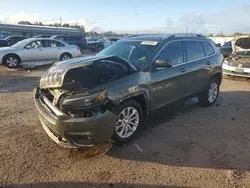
(131, 93)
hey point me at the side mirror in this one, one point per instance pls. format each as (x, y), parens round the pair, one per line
(163, 63)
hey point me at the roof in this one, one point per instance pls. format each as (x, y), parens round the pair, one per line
(151, 37)
(40, 29)
(160, 37)
(38, 26)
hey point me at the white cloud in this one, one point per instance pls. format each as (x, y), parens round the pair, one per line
(21, 16)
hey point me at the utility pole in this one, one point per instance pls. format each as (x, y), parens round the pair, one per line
(60, 21)
(187, 30)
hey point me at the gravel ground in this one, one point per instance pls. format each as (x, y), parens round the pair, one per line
(186, 146)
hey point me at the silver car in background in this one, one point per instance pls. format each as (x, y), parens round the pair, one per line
(37, 49)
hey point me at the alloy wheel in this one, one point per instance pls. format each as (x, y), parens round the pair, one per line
(213, 92)
(127, 123)
(11, 62)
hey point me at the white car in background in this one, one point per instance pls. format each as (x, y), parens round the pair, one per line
(37, 49)
(238, 63)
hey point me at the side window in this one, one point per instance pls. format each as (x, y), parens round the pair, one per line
(208, 48)
(52, 44)
(49, 44)
(59, 44)
(34, 44)
(172, 53)
(194, 50)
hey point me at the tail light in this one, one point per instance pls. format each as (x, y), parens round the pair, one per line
(78, 48)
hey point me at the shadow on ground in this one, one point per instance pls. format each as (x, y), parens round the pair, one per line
(89, 185)
(191, 136)
(18, 83)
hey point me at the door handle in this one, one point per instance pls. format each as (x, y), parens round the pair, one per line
(184, 70)
(209, 63)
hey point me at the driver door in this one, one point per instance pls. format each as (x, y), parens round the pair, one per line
(169, 84)
(33, 52)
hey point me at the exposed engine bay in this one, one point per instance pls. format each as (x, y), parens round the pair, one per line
(101, 72)
(74, 97)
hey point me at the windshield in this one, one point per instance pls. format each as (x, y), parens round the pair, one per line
(134, 52)
(20, 44)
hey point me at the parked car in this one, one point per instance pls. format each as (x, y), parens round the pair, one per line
(42, 36)
(100, 44)
(14, 39)
(4, 43)
(226, 49)
(85, 102)
(95, 46)
(34, 49)
(74, 40)
(238, 63)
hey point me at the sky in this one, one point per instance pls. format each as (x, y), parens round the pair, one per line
(135, 16)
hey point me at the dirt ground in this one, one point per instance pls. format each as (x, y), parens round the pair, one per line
(186, 146)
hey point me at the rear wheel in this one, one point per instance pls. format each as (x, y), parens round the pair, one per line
(11, 61)
(65, 56)
(129, 122)
(211, 93)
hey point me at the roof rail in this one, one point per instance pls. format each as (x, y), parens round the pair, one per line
(188, 35)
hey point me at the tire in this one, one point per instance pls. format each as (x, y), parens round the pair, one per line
(11, 61)
(65, 56)
(120, 135)
(211, 93)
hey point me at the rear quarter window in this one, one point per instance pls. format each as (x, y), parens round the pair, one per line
(208, 48)
(194, 50)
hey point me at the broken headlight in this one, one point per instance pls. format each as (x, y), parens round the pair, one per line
(226, 62)
(51, 79)
(94, 99)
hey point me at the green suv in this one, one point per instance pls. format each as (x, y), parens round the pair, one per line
(87, 101)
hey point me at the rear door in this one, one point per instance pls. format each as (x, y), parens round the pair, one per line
(198, 63)
(170, 84)
(52, 49)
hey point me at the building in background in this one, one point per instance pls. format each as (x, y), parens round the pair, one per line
(32, 30)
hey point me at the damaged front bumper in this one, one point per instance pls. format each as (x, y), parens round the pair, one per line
(73, 132)
(235, 71)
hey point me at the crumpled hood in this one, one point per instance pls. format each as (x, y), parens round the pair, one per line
(81, 62)
(241, 44)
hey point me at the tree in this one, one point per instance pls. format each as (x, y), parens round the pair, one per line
(57, 25)
(220, 35)
(237, 34)
(24, 23)
(210, 35)
(66, 25)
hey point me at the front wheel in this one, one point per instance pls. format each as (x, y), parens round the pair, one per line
(11, 61)
(211, 93)
(129, 122)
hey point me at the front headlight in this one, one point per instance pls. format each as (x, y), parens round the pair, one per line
(226, 62)
(51, 79)
(94, 99)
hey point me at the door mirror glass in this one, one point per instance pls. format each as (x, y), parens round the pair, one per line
(163, 63)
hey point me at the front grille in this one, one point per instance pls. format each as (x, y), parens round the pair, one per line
(48, 95)
(239, 64)
(238, 73)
